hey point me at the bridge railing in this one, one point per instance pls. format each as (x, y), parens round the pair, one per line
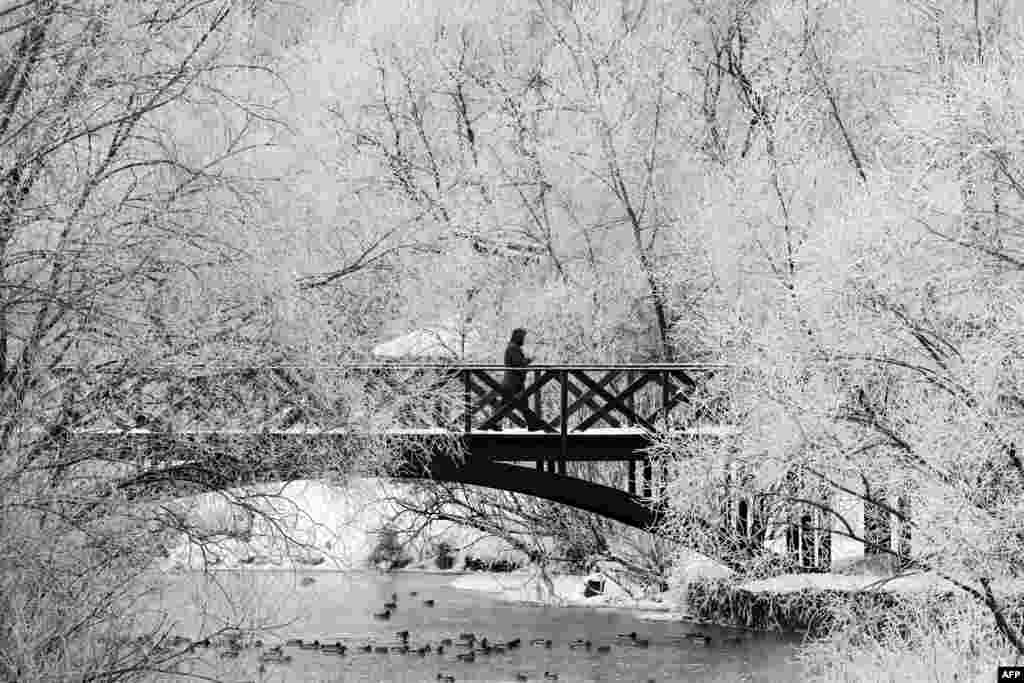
(556, 399)
(573, 399)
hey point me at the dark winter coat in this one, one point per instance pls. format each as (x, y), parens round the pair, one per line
(515, 380)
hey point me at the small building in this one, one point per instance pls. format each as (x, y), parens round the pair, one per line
(443, 342)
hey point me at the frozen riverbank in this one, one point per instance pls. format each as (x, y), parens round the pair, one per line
(340, 529)
(529, 586)
(337, 527)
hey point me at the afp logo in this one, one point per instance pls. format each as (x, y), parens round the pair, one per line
(1010, 673)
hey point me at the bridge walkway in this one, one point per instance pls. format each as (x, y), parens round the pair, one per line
(215, 425)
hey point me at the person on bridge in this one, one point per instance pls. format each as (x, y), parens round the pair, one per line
(515, 380)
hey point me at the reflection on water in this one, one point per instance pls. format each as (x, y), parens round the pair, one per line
(339, 607)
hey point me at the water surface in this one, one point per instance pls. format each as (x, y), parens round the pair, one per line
(338, 606)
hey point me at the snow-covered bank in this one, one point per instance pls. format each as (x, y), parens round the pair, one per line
(339, 525)
(791, 583)
(529, 586)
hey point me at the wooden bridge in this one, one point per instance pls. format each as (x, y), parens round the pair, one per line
(440, 421)
(574, 414)
(199, 429)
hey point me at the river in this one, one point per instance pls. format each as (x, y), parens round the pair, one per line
(339, 606)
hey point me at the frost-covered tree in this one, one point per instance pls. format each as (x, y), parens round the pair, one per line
(866, 255)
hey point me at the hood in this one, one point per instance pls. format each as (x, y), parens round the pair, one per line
(518, 336)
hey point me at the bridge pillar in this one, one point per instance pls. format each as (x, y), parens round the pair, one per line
(538, 405)
(630, 401)
(467, 402)
(631, 485)
(563, 397)
(648, 477)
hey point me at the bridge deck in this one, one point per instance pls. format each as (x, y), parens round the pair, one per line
(596, 444)
(209, 428)
(518, 432)
(595, 413)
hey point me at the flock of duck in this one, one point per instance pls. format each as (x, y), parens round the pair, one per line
(468, 647)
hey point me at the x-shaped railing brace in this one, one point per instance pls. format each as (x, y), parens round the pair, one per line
(519, 401)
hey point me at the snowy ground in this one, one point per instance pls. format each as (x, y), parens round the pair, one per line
(791, 583)
(529, 587)
(341, 526)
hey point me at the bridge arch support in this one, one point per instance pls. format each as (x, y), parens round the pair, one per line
(578, 493)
